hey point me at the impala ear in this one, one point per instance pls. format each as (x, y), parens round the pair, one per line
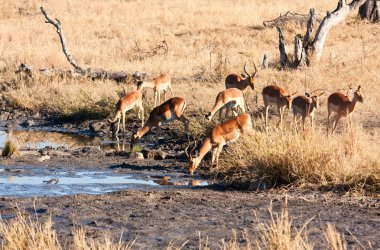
(307, 94)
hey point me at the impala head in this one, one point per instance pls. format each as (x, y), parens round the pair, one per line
(314, 98)
(288, 99)
(193, 160)
(140, 85)
(251, 77)
(358, 95)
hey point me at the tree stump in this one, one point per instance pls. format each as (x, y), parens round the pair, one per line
(370, 10)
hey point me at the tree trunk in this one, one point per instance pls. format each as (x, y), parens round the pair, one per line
(370, 10)
(306, 49)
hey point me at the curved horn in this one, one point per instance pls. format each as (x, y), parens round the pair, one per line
(187, 148)
(359, 87)
(245, 70)
(254, 74)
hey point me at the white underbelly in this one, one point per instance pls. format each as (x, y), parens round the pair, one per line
(235, 137)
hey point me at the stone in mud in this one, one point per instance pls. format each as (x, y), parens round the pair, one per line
(160, 155)
(44, 158)
(96, 127)
(136, 155)
(4, 115)
(36, 115)
(27, 123)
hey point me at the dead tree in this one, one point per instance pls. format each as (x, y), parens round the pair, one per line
(118, 76)
(370, 10)
(307, 49)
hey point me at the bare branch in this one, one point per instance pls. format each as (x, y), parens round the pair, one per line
(57, 24)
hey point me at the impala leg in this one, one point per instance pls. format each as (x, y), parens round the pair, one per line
(159, 97)
(280, 111)
(141, 113)
(118, 126)
(335, 123)
(164, 95)
(220, 114)
(295, 123)
(266, 116)
(185, 122)
(303, 123)
(214, 153)
(312, 122)
(123, 121)
(171, 91)
(349, 122)
(219, 149)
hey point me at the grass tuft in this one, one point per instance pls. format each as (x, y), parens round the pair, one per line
(10, 148)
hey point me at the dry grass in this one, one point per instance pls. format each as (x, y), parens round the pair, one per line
(275, 159)
(23, 232)
(10, 148)
(206, 42)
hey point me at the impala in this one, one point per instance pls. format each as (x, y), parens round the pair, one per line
(168, 111)
(219, 136)
(228, 99)
(276, 96)
(125, 103)
(305, 106)
(341, 105)
(158, 84)
(237, 81)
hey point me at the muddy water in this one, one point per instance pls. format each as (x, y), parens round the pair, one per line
(30, 182)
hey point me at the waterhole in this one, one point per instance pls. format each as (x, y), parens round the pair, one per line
(25, 182)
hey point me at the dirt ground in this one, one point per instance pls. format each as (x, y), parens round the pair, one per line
(157, 217)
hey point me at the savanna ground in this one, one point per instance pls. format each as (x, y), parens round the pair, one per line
(206, 41)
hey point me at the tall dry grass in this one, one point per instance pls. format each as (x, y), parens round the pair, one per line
(275, 159)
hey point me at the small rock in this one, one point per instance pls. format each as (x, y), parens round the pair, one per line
(28, 123)
(137, 155)
(4, 115)
(44, 158)
(36, 115)
(96, 126)
(160, 155)
(51, 181)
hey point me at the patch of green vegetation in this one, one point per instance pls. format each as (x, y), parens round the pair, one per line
(10, 149)
(136, 149)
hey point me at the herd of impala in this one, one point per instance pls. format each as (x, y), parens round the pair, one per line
(302, 106)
